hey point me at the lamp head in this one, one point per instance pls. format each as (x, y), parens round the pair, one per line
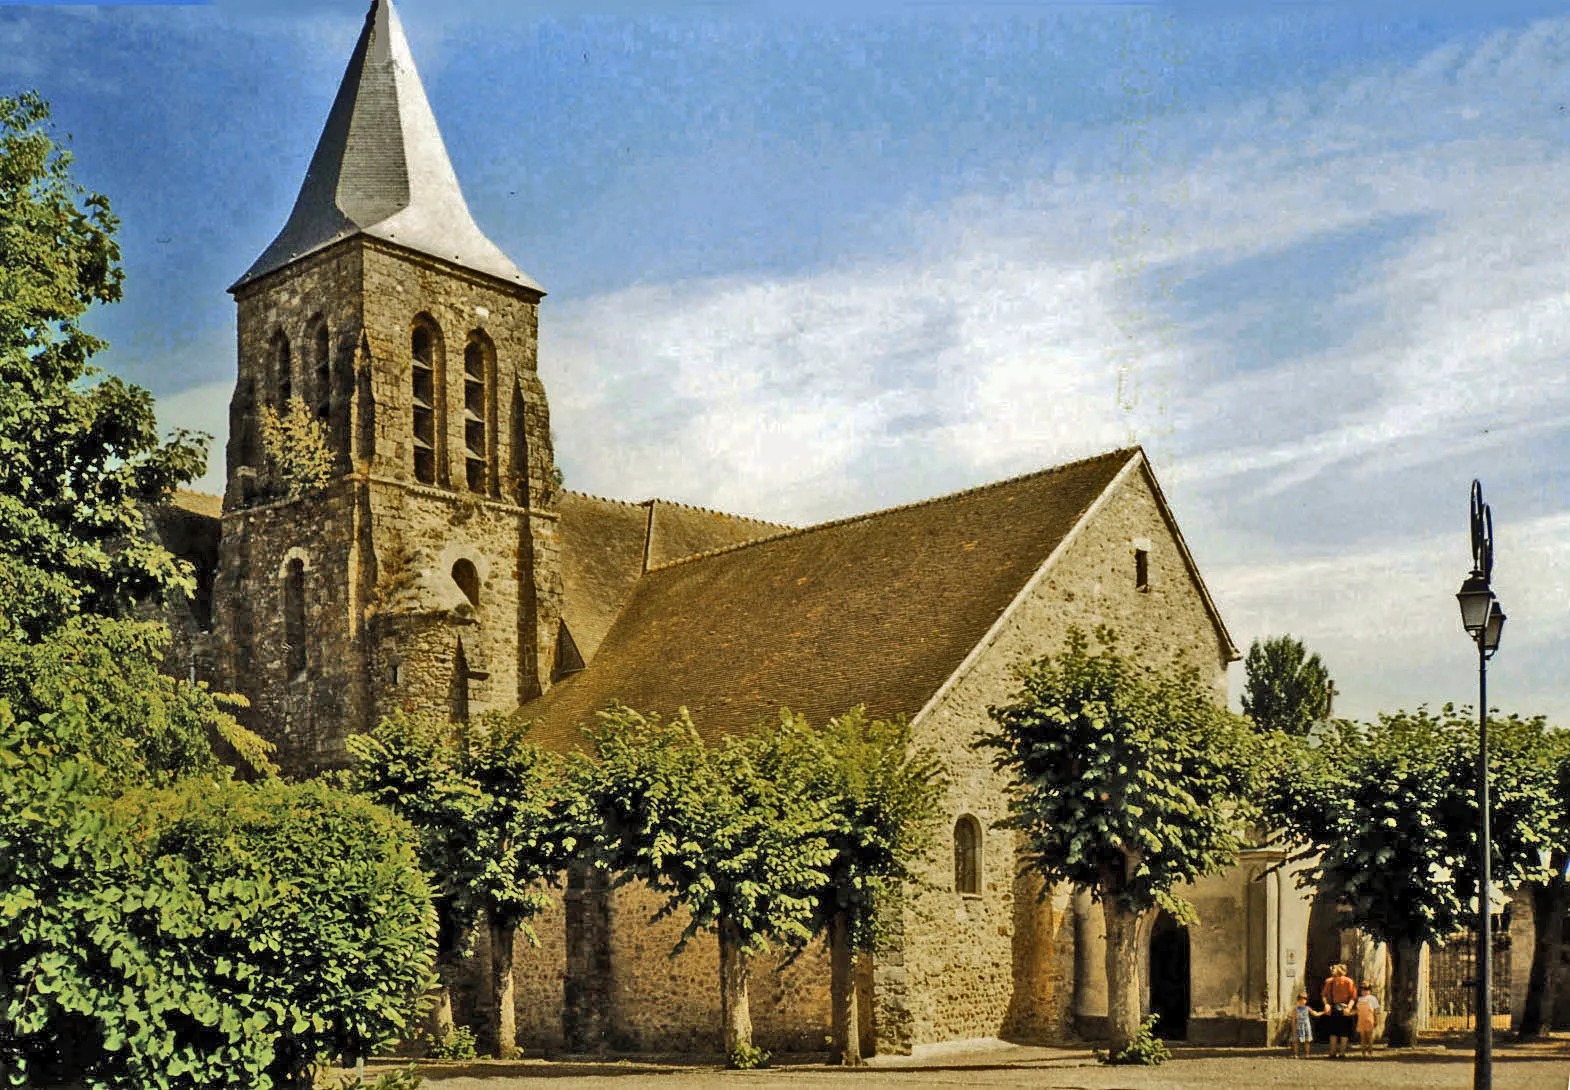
(1475, 598)
(1493, 628)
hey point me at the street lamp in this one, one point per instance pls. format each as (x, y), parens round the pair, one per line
(1484, 621)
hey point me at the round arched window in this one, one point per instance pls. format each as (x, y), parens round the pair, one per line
(468, 580)
(967, 855)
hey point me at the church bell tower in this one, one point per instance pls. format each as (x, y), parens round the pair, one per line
(424, 576)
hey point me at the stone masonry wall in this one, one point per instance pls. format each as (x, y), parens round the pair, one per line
(660, 1003)
(1001, 963)
(304, 713)
(387, 625)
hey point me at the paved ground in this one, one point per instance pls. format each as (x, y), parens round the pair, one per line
(1537, 1067)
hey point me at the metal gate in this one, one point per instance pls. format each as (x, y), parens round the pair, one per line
(1452, 979)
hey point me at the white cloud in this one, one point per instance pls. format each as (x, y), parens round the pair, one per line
(1034, 327)
(1028, 328)
(202, 408)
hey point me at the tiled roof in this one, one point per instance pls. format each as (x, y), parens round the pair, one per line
(604, 545)
(198, 503)
(382, 170)
(879, 609)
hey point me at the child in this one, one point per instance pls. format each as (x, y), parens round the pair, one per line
(1367, 1008)
(1303, 1027)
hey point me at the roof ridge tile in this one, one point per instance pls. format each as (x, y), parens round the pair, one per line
(832, 523)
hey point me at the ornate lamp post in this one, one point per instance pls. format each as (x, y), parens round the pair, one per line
(1484, 621)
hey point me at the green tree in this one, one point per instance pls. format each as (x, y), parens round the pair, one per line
(79, 459)
(202, 934)
(1284, 687)
(297, 450)
(882, 795)
(494, 814)
(96, 680)
(740, 852)
(1537, 758)
(1386, 818)
(1126, 783)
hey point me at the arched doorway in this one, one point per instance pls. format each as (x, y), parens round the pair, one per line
(1169, 977)
(1324, 950)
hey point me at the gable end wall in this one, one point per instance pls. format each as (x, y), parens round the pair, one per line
(1001, 964)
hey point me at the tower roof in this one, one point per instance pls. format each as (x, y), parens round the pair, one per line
(381, 169)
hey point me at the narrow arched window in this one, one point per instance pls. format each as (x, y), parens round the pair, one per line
(520, 447)
(426, 379)
(323, 388)
(468, 580)
(294, 617)
(460, 687)
(476, 416)
(967, 855)
(283, 371)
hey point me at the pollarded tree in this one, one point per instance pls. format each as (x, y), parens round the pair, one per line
(882, 796)
(78, 459)
(1127, 783)
(1285, 688)
(493, 812)
(1546, 753)
(1386, 818)
(707, 828)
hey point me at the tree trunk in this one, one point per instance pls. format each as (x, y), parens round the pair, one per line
(844, 1002)
(735, 1013)
(504, 936)
(1549, 903)
(1123, 1005)
(439, 1024)
(1401, 1023)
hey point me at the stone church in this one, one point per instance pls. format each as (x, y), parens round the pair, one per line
(444, 569)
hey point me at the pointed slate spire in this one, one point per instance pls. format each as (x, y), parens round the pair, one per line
(382, 170)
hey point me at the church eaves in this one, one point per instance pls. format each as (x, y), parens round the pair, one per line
(381, 169)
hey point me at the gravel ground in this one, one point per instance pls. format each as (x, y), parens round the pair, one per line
(1537, 1067)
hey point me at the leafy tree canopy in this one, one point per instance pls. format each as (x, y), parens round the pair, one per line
(205, 934)
(1386, 815)
(881, 795)
(493, 810)
(705, 826)
(297, 449)
(78, 459)
(1127, 782)
(92, 687)
(1284, 687)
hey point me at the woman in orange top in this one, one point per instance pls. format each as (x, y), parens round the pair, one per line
(1340, 996)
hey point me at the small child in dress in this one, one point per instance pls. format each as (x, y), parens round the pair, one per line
(1303, 1027)
(1367, 1010)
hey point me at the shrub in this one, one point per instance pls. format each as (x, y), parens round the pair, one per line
(457, 1045)
(210, 934)
(1145, 1050)
(748, 1057)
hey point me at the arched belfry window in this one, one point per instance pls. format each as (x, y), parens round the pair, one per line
(294, 635)
(478, 413)
(967, 855)
(320, 358)
(283, 371)
(427, 379)
(468, 580)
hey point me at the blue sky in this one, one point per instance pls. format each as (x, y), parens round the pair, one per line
(806, 260)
